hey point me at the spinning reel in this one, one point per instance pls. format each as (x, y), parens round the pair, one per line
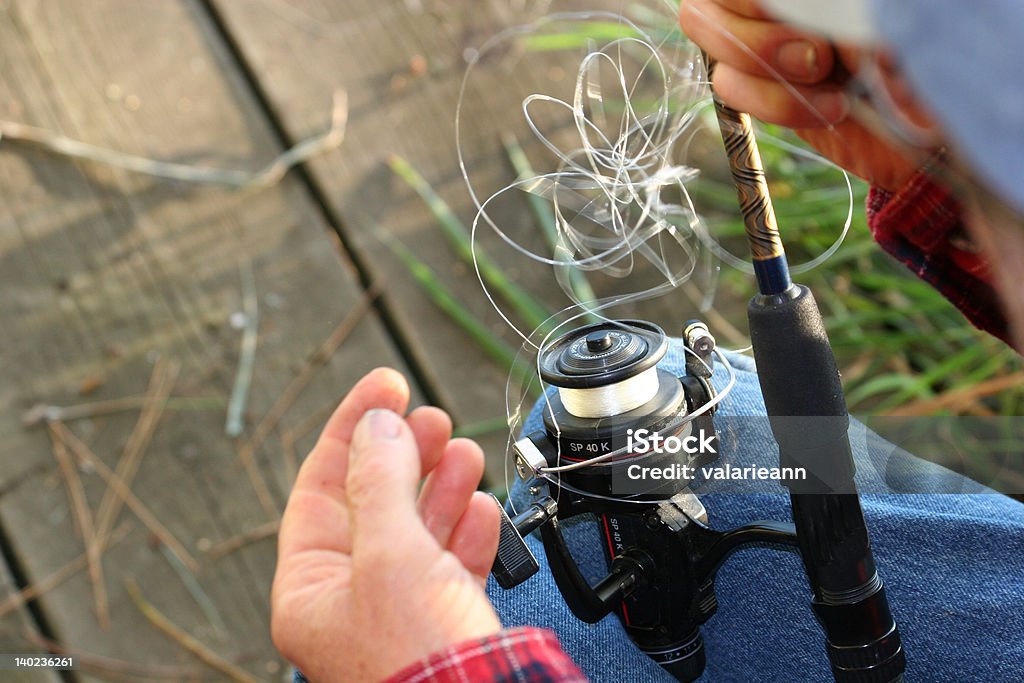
(661, 552)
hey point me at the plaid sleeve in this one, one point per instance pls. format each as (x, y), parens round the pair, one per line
(521, 655)
(921, 226)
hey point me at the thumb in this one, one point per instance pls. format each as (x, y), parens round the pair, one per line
(383, 474)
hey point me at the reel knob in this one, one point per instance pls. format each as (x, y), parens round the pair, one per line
(515, 562)
(599, 341)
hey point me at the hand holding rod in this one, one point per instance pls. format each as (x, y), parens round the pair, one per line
(804, 399)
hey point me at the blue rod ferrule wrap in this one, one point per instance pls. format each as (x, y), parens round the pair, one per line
(772, 275)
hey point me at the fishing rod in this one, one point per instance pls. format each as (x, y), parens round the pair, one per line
(804, 399)
(661, 552)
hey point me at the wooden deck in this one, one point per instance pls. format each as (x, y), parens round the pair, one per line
(121, 288)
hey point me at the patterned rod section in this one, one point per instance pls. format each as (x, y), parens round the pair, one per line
(770, 266)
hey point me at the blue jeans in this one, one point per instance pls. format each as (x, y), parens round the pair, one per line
(953, 565)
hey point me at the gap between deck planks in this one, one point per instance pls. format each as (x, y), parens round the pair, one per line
(402, 64)
(104, 271)
(12, 640)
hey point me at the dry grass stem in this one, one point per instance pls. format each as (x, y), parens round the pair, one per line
(245, 538)
(160, 385)
(247, 452)
(177, 634)
(83, 521)
(289, 458)
(42, 412)
(268, 176)
(959, 400)
(121, 490)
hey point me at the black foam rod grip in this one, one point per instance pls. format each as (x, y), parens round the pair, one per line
(802, 390)
(803, 395)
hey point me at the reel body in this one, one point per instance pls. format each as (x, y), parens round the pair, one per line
(661, 554)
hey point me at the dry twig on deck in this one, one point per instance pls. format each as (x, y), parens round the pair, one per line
(176, 633)
(288, 456)
(121, 490)
(43, 586)
(243, 539)
(268, 176)
(160, 385)
(247, 452)
(84, 522)
(42, 412)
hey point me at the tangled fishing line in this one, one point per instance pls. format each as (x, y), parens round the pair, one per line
(619, 191)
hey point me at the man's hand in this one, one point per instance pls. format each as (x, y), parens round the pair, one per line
(371, 577)
(820, 115)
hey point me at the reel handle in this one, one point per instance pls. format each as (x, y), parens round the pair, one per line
(515, 562)
(589, 603)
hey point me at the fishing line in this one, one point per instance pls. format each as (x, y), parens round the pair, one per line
(619, 192)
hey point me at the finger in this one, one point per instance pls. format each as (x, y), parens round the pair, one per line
(383, 475)
(475, 538)
(324, 470)
(448, 489)
(758, 47)
(316, 516)
(746, 8)
(772, 102)
(433, 430)
(381, 388)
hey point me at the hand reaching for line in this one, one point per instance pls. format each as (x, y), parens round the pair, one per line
(371, 577)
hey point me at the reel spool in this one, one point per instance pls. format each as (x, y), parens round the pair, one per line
(605, 369)
(609, 386)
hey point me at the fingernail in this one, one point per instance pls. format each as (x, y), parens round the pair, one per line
(798, 58)
(381, 424)
(831, 106)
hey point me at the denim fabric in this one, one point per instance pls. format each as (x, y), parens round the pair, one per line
(953, 565)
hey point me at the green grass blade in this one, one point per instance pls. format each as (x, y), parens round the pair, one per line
(442, 297)
(578, 36)
(526, 307)
(544, 215)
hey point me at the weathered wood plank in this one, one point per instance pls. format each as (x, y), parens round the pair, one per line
(402, 64)
(103, 272)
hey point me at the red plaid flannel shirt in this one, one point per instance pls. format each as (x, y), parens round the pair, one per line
(921, 225)
(513, 656)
